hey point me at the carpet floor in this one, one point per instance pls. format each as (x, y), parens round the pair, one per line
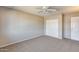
(43, 44)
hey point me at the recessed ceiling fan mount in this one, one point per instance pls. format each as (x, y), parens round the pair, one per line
(46, 10)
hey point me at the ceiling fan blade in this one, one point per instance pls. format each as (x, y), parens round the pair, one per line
(51, 9)
(46, 10)
(43, 7)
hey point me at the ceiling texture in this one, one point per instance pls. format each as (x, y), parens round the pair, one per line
(34, 9)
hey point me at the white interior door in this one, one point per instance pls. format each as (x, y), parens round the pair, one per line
(75, 28)
(52, 27)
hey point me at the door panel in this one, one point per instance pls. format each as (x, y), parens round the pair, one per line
(75, 28)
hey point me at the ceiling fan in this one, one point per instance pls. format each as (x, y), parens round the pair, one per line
(46, 10)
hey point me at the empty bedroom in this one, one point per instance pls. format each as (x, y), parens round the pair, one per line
(39, 29)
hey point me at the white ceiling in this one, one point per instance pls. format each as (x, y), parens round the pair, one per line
(34, 10)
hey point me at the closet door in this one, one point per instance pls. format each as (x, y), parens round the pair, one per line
(75, 28)
(52, 27)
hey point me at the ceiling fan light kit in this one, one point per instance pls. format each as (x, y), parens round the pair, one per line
(46, 10)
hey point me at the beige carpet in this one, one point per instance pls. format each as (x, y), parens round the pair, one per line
(43, 44)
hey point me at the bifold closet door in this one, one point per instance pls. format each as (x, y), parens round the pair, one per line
(75, 28)
(52, 27)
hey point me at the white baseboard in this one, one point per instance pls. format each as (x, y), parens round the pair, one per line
(21, 40)
(71, 39)
(54, 37)
(67, 38)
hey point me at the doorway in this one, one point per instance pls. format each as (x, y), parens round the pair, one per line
(52, 27)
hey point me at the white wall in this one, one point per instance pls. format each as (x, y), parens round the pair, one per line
(67, 26)
(16, 26)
